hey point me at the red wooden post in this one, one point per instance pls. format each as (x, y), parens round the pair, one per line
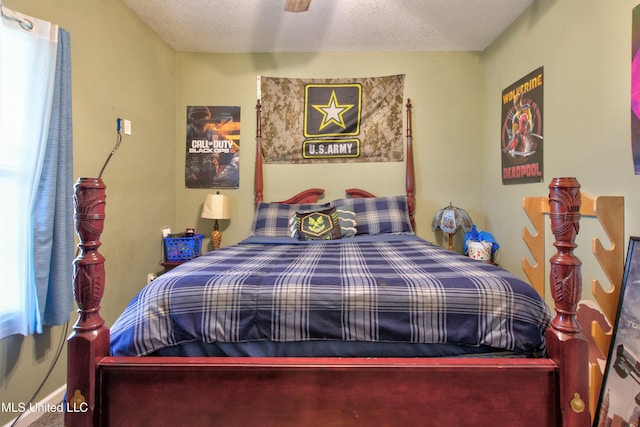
(258, 180)
(566, 343)
(410, 174)
(90, 338)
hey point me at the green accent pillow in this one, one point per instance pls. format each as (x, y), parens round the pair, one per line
(318, 225)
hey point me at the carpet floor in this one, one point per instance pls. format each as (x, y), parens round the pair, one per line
(50, 419)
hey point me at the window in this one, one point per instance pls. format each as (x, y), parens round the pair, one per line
(34, 137)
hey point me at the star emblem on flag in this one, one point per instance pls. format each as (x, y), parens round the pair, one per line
(332, 112)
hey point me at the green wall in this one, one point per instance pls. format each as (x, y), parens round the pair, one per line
(445, 90)
(122, 69)
(585, 48)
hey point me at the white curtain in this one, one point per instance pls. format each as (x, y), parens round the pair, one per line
(27, 74)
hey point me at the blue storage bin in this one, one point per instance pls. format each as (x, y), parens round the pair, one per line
(180, 248)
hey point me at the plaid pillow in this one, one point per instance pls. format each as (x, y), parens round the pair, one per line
(378, 215)
(347, 220)
(272, 219)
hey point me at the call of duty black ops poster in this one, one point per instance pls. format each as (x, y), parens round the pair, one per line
(521, 133)
(213, 147)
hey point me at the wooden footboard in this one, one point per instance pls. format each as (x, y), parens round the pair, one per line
(328, 392)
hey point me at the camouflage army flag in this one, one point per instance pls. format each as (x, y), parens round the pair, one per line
(332, 120)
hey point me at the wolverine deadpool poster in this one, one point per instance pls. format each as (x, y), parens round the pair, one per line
(521, 142)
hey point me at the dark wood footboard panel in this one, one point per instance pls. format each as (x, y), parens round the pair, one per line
(327, 392)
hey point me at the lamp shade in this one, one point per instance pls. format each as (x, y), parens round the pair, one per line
(216, 206)
(450, 219)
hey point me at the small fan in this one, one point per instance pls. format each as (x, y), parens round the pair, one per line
(296, 5)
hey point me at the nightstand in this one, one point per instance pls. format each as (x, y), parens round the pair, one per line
(169, 265)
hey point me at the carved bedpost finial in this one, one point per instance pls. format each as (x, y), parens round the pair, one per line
(565, 276)
(88, 280)
(89, 340)
(566, 344)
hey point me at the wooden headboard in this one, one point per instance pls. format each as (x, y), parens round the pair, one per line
(311, 195)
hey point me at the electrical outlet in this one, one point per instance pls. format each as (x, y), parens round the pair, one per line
(150, 278)
(127, 127)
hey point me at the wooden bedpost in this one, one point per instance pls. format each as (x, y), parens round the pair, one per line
(258, 183)
(90, 338)
(566, 343)
(410, 174)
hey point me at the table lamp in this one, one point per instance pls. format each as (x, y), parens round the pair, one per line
(450, 219)
(216, 206)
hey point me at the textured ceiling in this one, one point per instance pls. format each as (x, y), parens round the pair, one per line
(328, 25)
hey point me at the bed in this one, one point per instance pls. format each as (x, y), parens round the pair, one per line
(310, 323)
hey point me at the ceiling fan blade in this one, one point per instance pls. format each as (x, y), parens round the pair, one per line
(296, 5)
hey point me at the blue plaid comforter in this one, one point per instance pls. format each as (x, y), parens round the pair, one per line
(375, 288)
